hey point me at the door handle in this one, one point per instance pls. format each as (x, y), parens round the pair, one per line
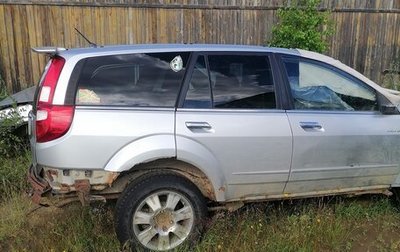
(312, 126)
(198, 125)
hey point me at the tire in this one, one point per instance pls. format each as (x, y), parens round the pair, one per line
(396, 197)
(159, 211)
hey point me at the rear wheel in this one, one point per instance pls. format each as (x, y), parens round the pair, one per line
(160, 211)
(396, 197)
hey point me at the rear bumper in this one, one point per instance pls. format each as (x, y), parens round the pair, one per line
(39, 185)
(48, 187)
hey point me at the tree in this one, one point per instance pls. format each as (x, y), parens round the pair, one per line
(302, 25)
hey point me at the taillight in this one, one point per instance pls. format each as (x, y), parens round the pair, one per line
(49, 82)
(52, 121)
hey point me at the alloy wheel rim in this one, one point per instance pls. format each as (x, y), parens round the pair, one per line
(163, 220)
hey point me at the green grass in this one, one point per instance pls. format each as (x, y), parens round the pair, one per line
(50, 229)
(368, 223)
(13, 173)
(306, 225)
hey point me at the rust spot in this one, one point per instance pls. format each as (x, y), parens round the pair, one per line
(203, 184)
(39, 185)
(53, 172)
(50, 174)
(82, 187)
(65, 188)
(222, 189)
(233, 206)
(111, 178)
(187, 170)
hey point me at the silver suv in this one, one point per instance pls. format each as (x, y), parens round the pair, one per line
(168, 129)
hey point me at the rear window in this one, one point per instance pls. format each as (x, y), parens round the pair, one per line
(141, 80)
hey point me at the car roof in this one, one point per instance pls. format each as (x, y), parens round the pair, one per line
(123, 49)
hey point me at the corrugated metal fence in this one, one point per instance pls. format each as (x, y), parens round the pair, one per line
(367, 32)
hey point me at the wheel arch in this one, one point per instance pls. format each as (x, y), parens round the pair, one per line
(210, 188)
(142, 150)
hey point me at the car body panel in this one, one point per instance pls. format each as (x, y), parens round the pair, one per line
(353, 149)
(252, 148)
(193, 152)
(99, 137)
(143, 150)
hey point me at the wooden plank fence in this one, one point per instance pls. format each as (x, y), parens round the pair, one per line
(367, 33)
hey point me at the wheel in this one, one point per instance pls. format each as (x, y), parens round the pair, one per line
(159, 211)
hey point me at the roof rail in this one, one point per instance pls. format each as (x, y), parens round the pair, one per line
(49, 50)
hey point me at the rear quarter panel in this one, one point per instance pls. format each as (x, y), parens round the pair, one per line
(98, 134)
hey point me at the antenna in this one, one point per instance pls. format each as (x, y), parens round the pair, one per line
(83, 36)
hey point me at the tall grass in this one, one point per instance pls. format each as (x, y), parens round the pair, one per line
(345, 225)
(50, 229)
(13, 174)
(391, 78)
(305, 225)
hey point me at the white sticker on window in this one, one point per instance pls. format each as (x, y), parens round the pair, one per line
(176, 64)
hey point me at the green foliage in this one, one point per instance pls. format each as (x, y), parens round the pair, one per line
(302, 26)
(392, 75)
(11, 142)
(13, 211)
(13, 172)
(307, 225)
(72, 228)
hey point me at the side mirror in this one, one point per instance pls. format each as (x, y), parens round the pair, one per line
(389, 109)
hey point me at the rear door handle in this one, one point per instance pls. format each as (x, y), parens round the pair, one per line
(312, 126)
(198, 125)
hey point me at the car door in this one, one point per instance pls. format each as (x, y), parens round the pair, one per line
(229, 124)
(341, 142)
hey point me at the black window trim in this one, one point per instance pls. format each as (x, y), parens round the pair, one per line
(188, 76)
(186, 79)
(72, 89)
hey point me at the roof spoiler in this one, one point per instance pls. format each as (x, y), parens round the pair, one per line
(49, 50)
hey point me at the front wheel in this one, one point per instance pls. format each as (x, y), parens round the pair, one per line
(160, 211)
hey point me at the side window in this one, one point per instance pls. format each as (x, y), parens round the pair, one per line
(237, 82)
(242, 81)
(318, 87)
(199, 92)
(151, 79)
